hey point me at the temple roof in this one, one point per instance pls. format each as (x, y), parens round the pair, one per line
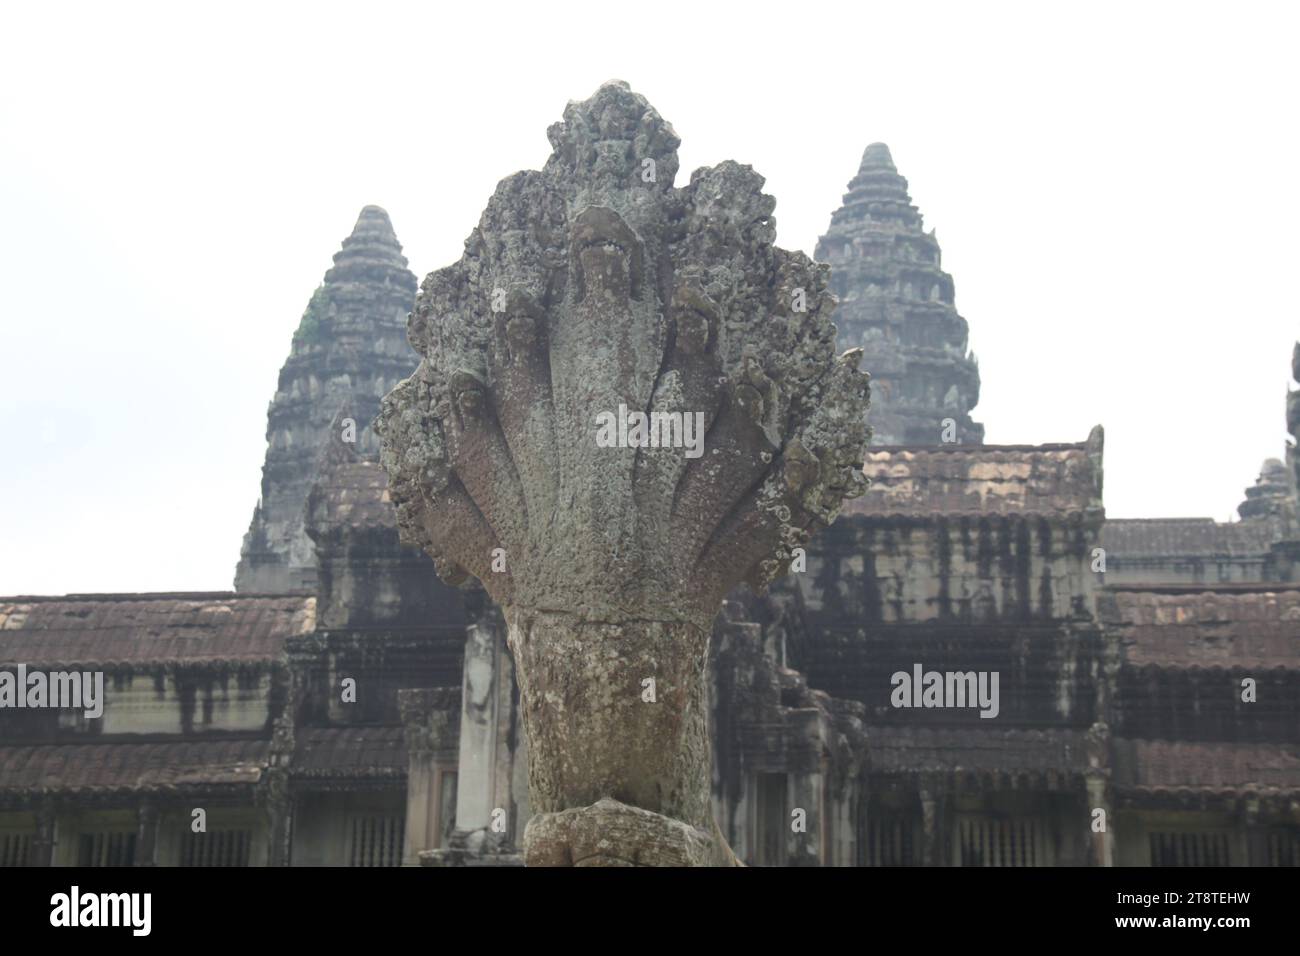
(350, 494)
(350, 752)
(1128, 538)
(168, 765)
(909, 750)
(322, 752)
(980, 481)
(1226, 767)
(1253, 626)
(1139, 765)
(123, 629)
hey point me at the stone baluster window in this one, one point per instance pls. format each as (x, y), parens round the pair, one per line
(376, 839)
(217, 848)
(892, 839)
(1189, 848)
(993, 841)
(106, 848)
(15, 848)
(1283, 848)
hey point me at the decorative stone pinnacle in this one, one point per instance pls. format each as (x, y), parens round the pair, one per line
(877, 155)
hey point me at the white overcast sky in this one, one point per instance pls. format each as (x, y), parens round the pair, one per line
(1115, 188)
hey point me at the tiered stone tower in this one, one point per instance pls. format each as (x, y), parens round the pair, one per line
(350, 347)
(896, 303)
(1270, 494)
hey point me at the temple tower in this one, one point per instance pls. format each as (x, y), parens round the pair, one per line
(349, 347)
(1270, 494)
(896, 303)
(1293, 422)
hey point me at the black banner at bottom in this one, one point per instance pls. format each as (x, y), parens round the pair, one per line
(339, 906)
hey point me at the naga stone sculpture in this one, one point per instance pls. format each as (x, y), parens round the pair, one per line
(629, 403)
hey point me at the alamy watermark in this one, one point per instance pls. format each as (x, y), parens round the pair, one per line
(77, 690)
(654, 430)
(75, 908)
(946, 689)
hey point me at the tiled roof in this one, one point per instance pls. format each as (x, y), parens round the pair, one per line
(1049, 480)
(909, 750)
(105, 766)
(322, 752)
(352, 494)
(1153, 765)
(350, 752)
(1129, 538)
(1224, 627)
(115, 629)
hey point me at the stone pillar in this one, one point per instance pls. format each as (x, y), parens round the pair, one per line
(805, 793)
(931, 844)
(1097, 780)
(485, 770)
(1256, 835)
(276, 793)
(860, 809)
(475, 781)
(279, 820)
(1102, 847)
(42, 847)
(845, 799)
(421, 779)
(430, 717)
(146, 840)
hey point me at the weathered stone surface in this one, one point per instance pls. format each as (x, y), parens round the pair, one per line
(769, 724)
(349, 348)
(896, 303)
(609, 833)
(588, 288)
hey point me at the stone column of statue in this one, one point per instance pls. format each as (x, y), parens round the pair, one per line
(629, 403)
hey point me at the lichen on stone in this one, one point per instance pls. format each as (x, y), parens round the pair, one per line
(592, 290)
(700, 312)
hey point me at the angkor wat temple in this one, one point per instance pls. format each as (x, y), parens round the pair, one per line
(345, 707)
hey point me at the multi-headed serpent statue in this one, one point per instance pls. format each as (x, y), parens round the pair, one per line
(596, 291)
